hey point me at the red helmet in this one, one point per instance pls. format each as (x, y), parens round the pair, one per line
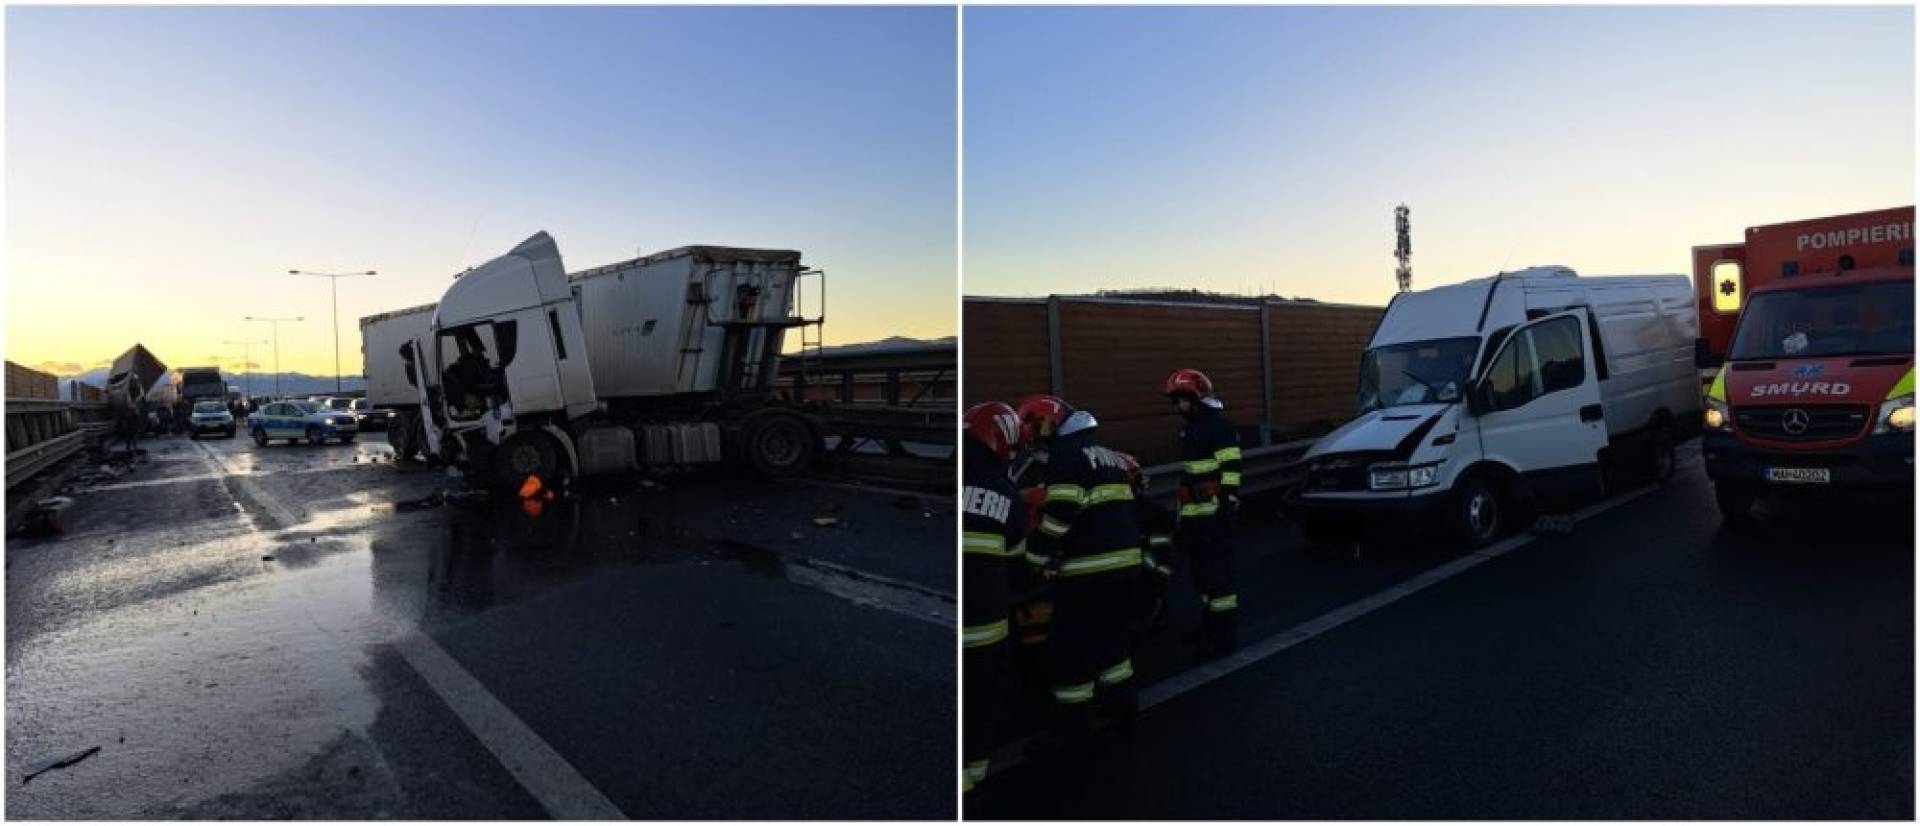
(1190, 382)
(995, 425)
(1040, 416)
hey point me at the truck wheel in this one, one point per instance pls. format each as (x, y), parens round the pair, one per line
(1480, 511)
(527, 454)
(1735, 501)
(780, 443)
(400, 436)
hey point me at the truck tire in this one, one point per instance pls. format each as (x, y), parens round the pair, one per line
(527, 454)
(1479, 511)
(779, 443)
(1735, 501)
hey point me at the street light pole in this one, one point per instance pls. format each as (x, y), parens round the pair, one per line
(333, 279)
(246, 359)
(276, 346)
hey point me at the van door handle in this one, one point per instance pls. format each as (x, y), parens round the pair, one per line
(1590, 413)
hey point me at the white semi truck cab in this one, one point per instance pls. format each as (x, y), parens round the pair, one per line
(665, 360)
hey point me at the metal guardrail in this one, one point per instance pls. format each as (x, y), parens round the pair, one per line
(43, 432)
(1262, 470)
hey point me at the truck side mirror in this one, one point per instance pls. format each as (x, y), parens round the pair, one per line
(1478, 401)
(1703, 356)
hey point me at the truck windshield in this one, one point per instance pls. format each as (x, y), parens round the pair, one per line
(1417, 372)
(1827, 320)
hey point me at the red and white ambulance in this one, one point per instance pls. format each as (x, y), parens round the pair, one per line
(1807, 329)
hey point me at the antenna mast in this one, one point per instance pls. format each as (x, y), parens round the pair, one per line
(1403, 249)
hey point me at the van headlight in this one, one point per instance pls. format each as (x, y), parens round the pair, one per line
(1896, 416)
(1402, 478)
(1715, 416)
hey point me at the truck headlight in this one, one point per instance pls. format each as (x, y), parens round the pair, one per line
(1402, 478)
(1715, 416)
(1896, 416)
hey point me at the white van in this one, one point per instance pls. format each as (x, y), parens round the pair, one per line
(1481, 399)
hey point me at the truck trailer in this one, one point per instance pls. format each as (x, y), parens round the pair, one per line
(662, 361)
(1807, 334)
(388, 386)
(1483, 399)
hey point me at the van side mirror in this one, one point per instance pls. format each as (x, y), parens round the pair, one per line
(1478, 399)
(1703, 356)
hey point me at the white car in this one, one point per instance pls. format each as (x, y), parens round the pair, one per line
(211, 417)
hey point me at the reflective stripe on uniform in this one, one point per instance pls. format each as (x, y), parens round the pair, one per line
(976, 770)
(1200, 466)
(1222, 602)
(1903, 387)
(1230, 478)
(1227, 454)
(1159, 540)
(1102, 494)
(1035, 558)
(1200, 508)
(976, 636)
(1098, 563)
(1073, 693)
(1118, 673)
(1053, 527)
(1067, 493)
(1718, 390)
(981, 542)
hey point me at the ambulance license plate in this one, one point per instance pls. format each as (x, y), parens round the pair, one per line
(1800, 475)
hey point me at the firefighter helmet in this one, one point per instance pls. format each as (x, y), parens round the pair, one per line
(1040, 417)
(1191, 382)
(995, 425)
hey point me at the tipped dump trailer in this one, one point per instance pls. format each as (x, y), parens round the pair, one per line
(667, 360)
(133, 374)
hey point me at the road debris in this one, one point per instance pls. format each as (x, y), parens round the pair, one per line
(58, 763)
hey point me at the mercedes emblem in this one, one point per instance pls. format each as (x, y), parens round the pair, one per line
(1795, 421)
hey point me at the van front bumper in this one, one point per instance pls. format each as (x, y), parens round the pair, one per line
(1875, 462)
(1351, 515)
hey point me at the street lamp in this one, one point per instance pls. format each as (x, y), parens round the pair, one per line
(333, 280)
(276, 346)
(246, 361)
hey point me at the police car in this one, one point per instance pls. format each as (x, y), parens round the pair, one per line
(295, 421)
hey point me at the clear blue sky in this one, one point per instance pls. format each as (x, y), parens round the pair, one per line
(167, 165)
(1265, 148)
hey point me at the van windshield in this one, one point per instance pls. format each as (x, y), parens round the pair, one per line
(1827, 320)
(1416, 372)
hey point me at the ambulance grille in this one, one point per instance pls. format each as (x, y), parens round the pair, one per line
(1823, 422)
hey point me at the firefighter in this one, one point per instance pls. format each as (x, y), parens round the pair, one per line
(1157, 525)
(993, 526)
(1209, 496)
(1088, 540)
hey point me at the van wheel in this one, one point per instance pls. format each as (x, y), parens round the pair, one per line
(1480, 511)
(1735, 501)
(527, 454)
(1661, 458)
(779, 443)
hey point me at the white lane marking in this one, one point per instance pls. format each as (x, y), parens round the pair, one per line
(286, 517)
(1198, 676)
(547, 776)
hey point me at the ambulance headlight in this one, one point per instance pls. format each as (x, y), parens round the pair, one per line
(1402, 478)
(1716, 417)
(1896, 416)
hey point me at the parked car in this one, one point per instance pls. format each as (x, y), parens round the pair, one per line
(369, 417)
(294, 421)
(211, 416)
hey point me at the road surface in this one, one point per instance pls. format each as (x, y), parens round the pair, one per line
(1651, 664)
(254, 633)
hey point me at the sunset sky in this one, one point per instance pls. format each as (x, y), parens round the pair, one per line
(166, 167)
(1255, 149)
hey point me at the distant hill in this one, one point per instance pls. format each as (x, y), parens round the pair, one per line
(291, 384)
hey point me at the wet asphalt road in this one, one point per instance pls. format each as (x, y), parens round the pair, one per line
(699, 650)
(1652, 664)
